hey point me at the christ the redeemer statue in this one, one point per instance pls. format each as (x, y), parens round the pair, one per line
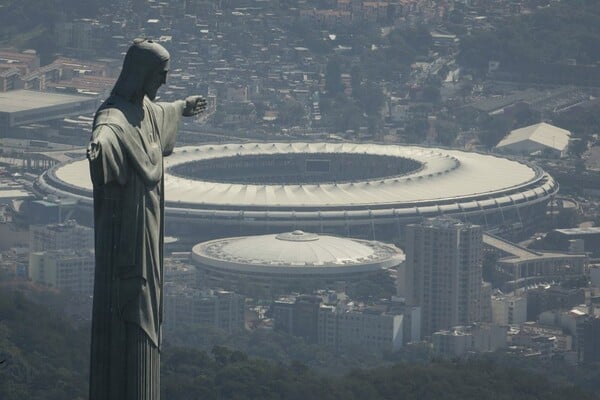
(131, 135)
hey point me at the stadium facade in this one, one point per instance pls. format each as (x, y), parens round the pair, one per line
(359, 190)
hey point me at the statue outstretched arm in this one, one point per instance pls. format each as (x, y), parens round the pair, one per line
(170, 115)
(194, 105)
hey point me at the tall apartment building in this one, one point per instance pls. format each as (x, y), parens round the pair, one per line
(65, 270)
(69, 235)
(216, 308)
(443, 272)
(61, 256)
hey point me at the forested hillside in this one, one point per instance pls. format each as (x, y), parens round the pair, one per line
(30, 23)
(45, 358)
(564, 30)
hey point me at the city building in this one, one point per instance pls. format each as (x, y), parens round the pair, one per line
(370, 327)
(64, 270)
(526, 266)
(562, 238)
(297, 315)
(442, 272)
(595, 275)
(591, 340)
(552, 297)
(350, 189)
(570, 321)
(15, 65)
(452, 343)
(543, 339)
(69, 235)
(205, 307)
(339, 323)
(460, 340)
(509, 309)
(542, 137)
(267, 265)
(21, 107)
(179, 270)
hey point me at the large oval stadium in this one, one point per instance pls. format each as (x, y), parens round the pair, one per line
(349, 189)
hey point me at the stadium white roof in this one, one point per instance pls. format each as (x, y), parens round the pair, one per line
(542, 133)
(446, 174)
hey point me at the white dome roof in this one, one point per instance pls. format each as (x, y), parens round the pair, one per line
(299, 248)
(296, 252)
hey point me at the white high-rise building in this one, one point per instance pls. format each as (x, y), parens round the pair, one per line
(216, 308)
(65, 270)
(443, 272)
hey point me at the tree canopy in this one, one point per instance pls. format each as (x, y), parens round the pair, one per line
(46, 358)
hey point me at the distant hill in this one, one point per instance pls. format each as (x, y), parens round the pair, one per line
(45, 358)
(29, 23)
(565, 32)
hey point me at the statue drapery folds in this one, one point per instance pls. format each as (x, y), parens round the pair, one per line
(131, 135)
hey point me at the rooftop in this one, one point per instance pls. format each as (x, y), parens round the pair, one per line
(25, 100)
(590, 230)
(543, 133)
(446, 175)
(297, 248)
(518, 254)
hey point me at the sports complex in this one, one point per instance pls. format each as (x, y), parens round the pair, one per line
(361, 190)
(277, 263)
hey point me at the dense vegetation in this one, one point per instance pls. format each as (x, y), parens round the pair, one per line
(21, 16)
(46, 358)
(30, 23)
(230, 375)
(283, 348)
(564, 30)
(371, 58)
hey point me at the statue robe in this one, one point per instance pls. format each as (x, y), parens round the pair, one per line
(126, 165)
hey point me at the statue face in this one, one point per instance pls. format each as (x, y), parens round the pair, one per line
(155, 80)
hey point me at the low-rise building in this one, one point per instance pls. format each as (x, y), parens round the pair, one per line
(452, 343)
(65, 270)
(215, 308)
(509, 309)
(338, 323)
(545, 298)
(460, 340)
(542, 338)
(540, 137)
(370, 327)
(526, 266)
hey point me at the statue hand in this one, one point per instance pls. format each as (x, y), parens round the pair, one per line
(194, 105)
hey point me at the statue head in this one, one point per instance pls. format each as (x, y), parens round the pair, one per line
(144, 70)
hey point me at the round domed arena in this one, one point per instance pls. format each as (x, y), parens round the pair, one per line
(266, 265)
(349, 189)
